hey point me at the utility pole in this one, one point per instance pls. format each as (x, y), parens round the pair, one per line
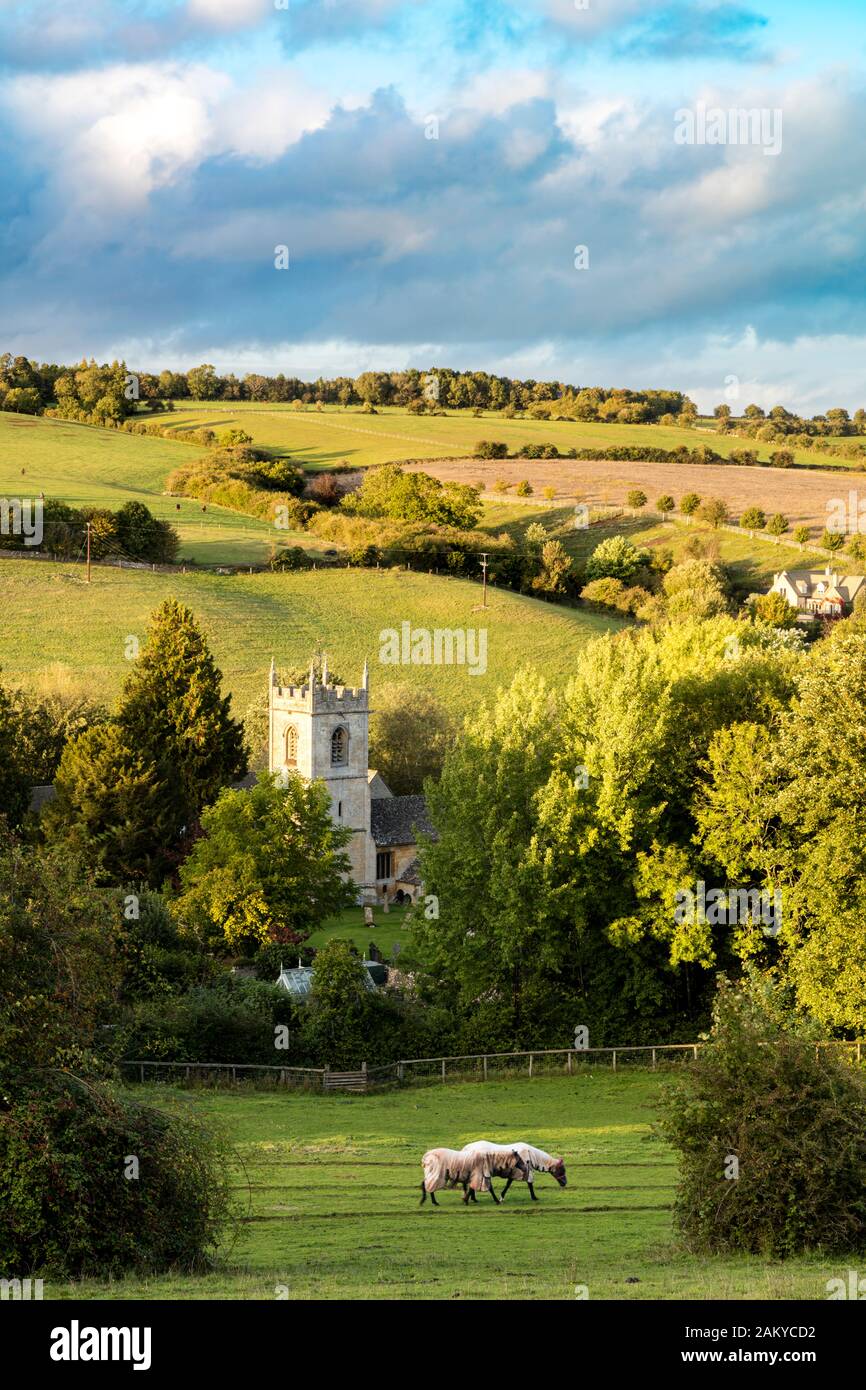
(88, 552)
(484, 554)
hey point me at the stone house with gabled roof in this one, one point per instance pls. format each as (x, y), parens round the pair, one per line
(818, 593)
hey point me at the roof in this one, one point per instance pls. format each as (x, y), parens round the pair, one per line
(395, 820)
(826, 584)
(300, 980)
(412, 874)
(40, 796)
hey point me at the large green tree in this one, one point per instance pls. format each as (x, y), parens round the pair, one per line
(270, 866)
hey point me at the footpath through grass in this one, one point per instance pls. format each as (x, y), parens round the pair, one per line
(328, 1190)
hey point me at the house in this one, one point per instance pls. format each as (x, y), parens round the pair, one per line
(321, 731)
(818, 593)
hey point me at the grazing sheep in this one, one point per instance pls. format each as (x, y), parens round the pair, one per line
(447, 1168)
(534, 1161)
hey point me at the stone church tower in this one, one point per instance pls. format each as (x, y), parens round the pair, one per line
(320, 731)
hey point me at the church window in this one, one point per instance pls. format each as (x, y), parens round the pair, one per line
(291, 746)
(339, 748)
(384, 864)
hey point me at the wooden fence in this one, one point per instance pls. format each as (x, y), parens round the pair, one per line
(481, 1066)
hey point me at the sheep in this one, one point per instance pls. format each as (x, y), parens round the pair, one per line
(446, 1168)
(534, 1160)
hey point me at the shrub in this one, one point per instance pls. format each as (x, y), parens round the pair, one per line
(753, 519)
(548, 493)
(665, 504)
(794, 1118)
(636, 498)
(833, 540)
(714, 510)
(782, 458)
(490, 449)
(802, 534)
(690, 503)
(615, 558)
(774, 608)
(68, 1205)
(778, 524)
(524, 488)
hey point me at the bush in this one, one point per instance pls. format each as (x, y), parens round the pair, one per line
(753, 519)
(778, 524)
(794, 1118)
(782, 458)
(689, 504)
(636, 498)
(614, 558)
(665, 504)
(802, 535)
(524, 488)
(68, 1205)
(833, 540)
(490, 449)
(714, 511)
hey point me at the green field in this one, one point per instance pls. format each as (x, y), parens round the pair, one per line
(751, 561)
(55, 624)
(328, 1193)
(87, 466)
(319, 439)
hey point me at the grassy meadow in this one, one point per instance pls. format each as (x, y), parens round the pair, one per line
(328, 1187)
(319, 439)
(58, 627)
(752, 562)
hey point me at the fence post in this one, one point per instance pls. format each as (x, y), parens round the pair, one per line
(569, 1063)
(485, 1066)
(530, 1066)
(654, 1059)
(325, 1077)
(614, 1058)
(443, 1059)
(695, 1050)
(141, 1069)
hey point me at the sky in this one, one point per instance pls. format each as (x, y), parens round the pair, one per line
(558, 189)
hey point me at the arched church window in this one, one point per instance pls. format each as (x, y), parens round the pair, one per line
(339, 747)
(291, 746)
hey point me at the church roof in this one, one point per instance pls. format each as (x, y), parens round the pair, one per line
(412, 874)
(395, 820)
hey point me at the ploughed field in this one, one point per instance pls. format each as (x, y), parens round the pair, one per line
(328, 1192)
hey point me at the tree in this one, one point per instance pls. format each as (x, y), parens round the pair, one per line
(410, 734)
(753, 519)
(689, 503)
(832, 540)
(714, 510)
(774, 608)
(782, 458)
(614, 558)
(802, 534)
(202, 383)
(636, 499)
(768, 816)
(778, 524)
(16, 767)
(665, 504)
(173, 712)
(390, 491)
(58, 963)
(269, 866)
(524, 488)
(694, 590)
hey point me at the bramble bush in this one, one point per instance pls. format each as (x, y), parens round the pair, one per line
(68, 1206)
(793, 1115)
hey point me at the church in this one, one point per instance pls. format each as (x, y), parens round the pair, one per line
(321, 731)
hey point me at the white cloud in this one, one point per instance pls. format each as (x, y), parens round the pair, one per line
(229, 14)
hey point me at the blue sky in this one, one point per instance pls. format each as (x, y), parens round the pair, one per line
(156, 153)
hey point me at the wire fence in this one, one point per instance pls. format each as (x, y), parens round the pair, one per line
(420, 1071)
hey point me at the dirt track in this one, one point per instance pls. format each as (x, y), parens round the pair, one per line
(800, 494)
